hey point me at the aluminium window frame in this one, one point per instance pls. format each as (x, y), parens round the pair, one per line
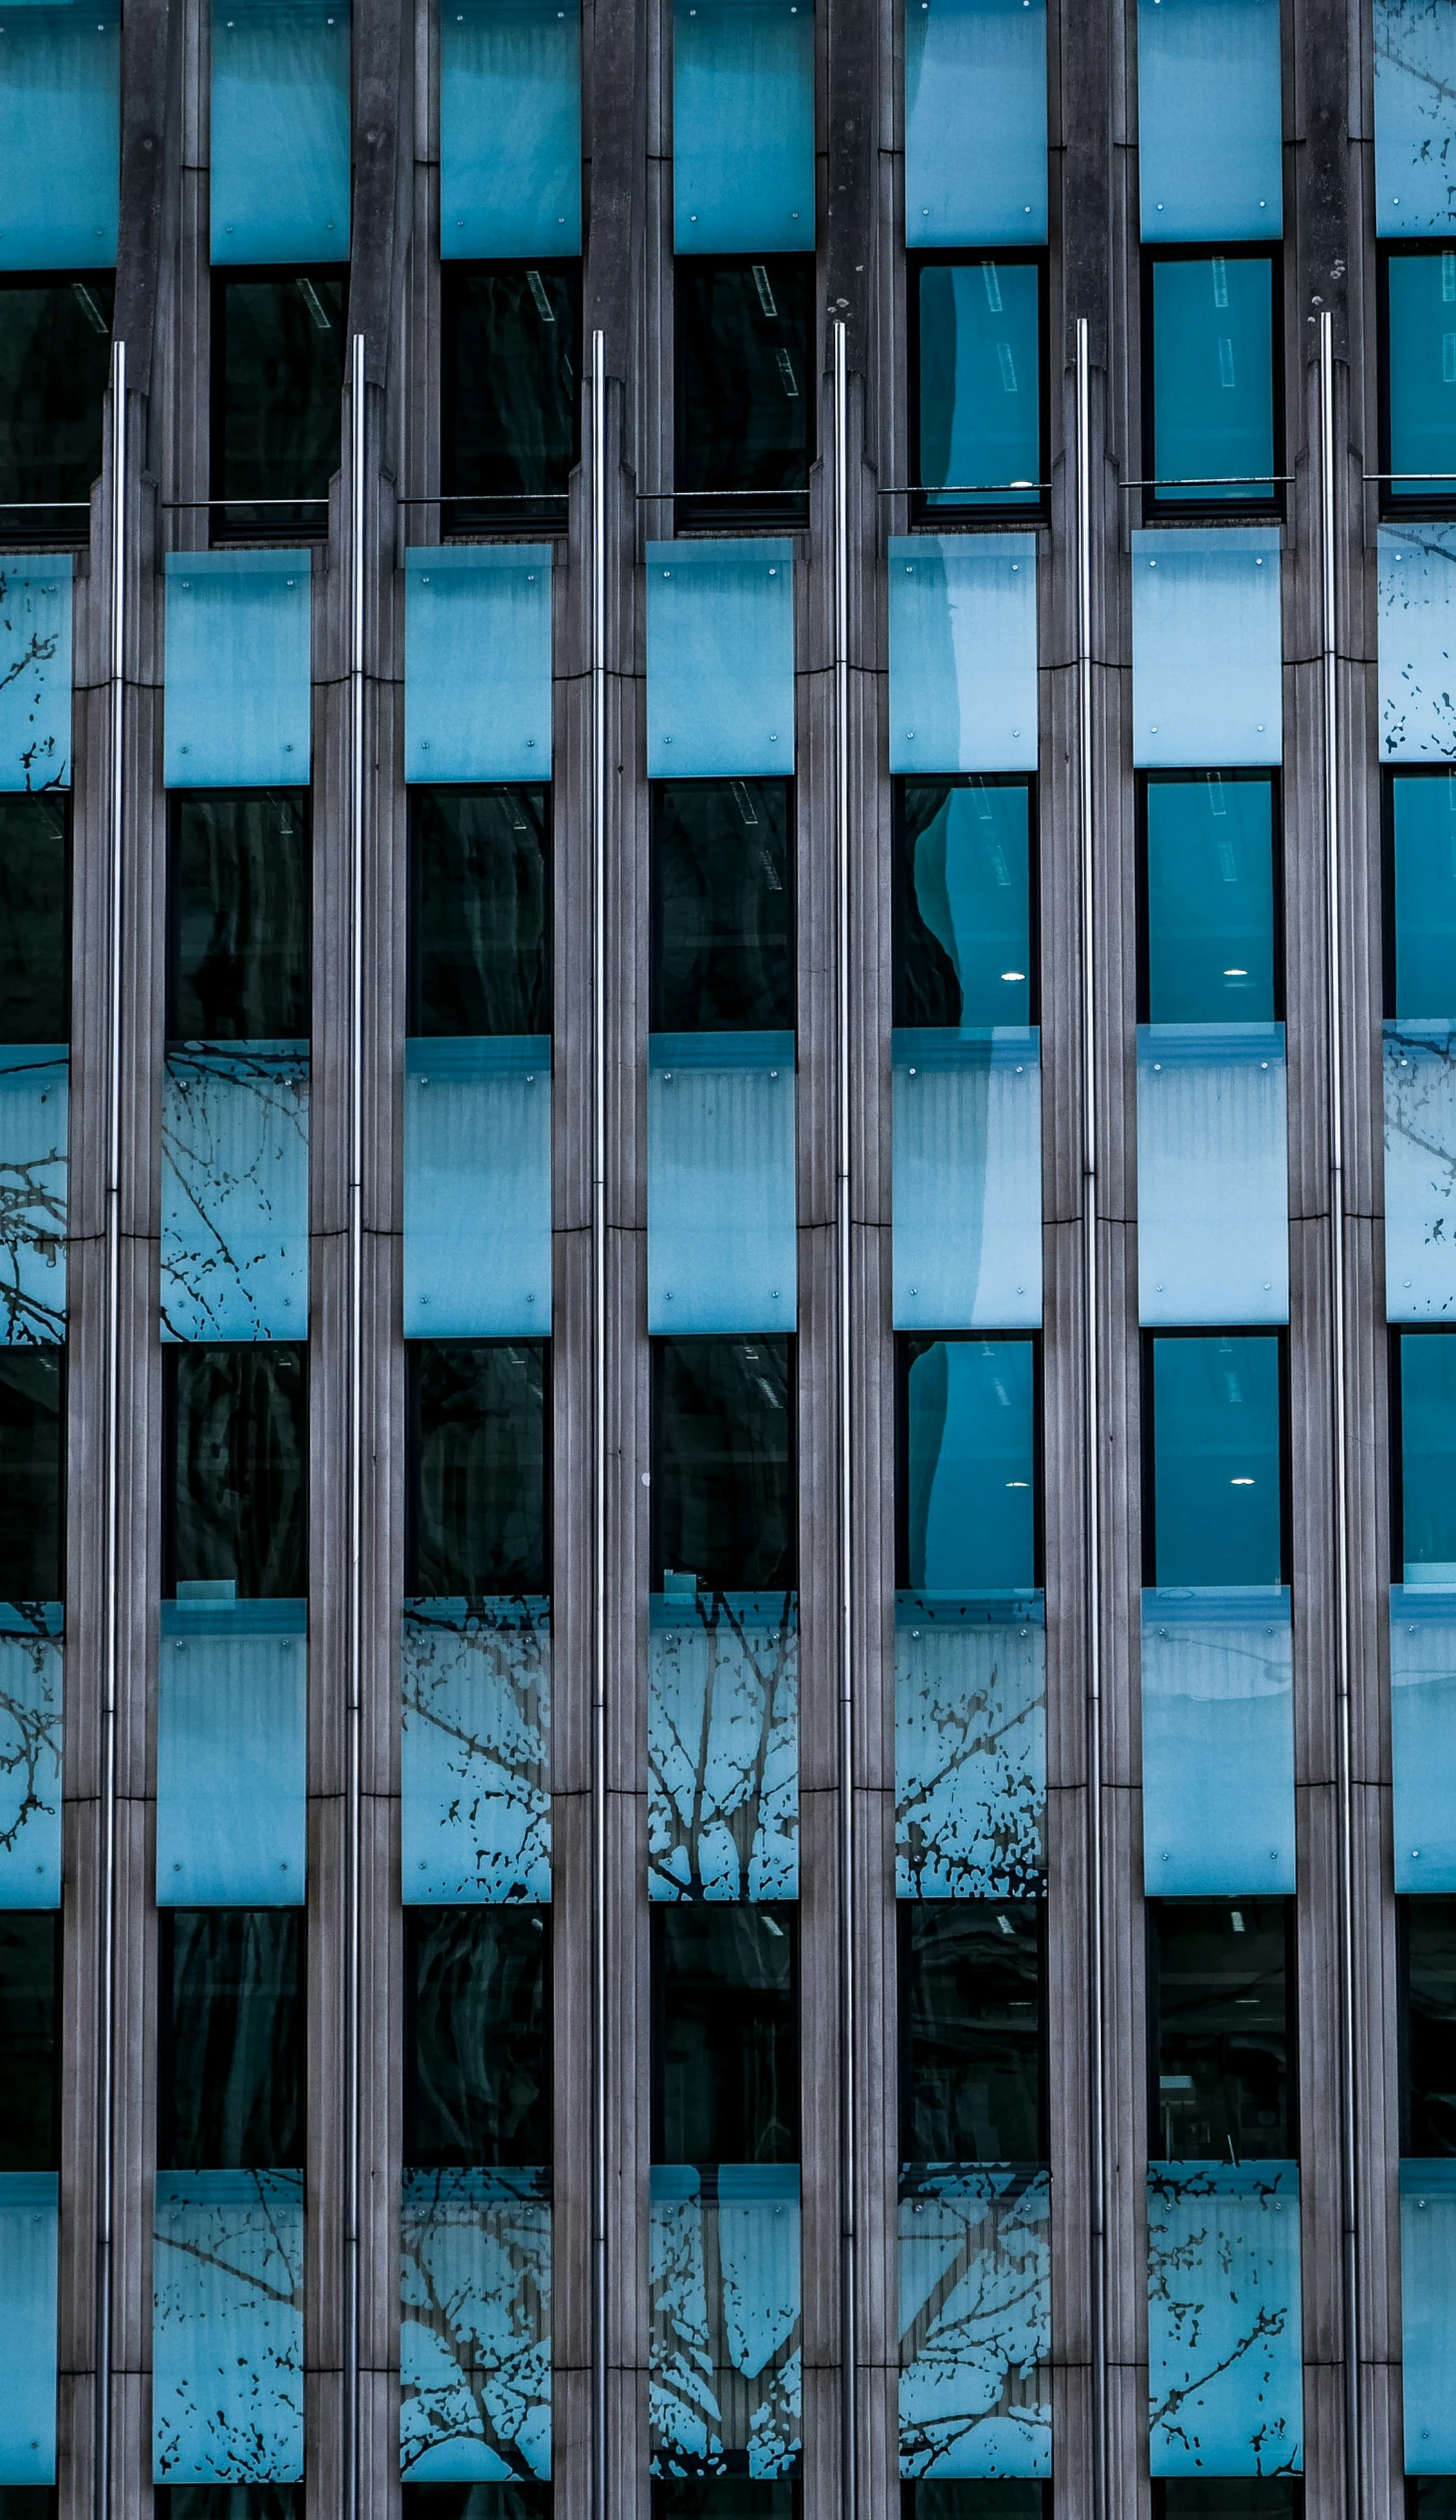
(1272, 777)
(910, 1344)
(930, 509)
(1280, 1332)
(1213, 510)
(901, 870)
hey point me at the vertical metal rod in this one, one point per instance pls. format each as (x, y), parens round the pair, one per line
(599, 1423)
(353, 1853)
(842, 1329)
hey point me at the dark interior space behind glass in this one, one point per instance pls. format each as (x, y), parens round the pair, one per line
(1228, 2497)
(238, 916)
(725, 1500)
(236, 1478)
(965, 929)
(1427, 2027)
(477, 2037)
(515, 2501)
(725, 2498)
(1221, 2013)
(30, 1990)
(55, 364)
(510, 368)
(480, 940)
(972, 2060)
(476, 1510)
(225, 2502)
(726, 2033)
(1209, 938)
(976, 2498)
(231, 2038)
(277, 379)
(32, 1419)
(722, 928)
(979, 407)
(747, 384)
(35, 904)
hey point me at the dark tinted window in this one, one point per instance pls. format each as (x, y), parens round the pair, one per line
(237, 1452)
(1428, 2051)
(1423, 1394)
(477, 1465)
(725, 2034)
(478, 2082)
(975, 2498)
(476, 2502)
(724, 1506)
(722, 906)
(746, 383)
(34, 920)
(726, 2498)
(55, 364)
(238, 918)
(977, 370)
(971, 2085)
(1220, 1995)
(32, 1394)
(1430, 2498)
(1213, 411)
(30, 1960)
(1228, 2497)
(230, 2005)
(479, 911)
(509, 392)
(1210, 925)
(965, 928)
(225, 2502)
(277, 416)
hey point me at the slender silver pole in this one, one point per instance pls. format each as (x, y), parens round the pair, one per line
(599, 1421)
(842, 1329)
(354, 1852)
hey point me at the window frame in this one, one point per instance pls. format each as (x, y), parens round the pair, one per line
(44, 534)
(222, 532)
(762, 512)
(513, 516)
(415, 795)
(1272, 777)
(1234, 508)
(932, 508)
(1153, 2005)
(1280, 1332)
(1428, 500)
(177, 798)
(910, 1344)
(900, 871)
(906, 1911)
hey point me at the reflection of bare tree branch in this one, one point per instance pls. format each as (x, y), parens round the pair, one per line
(1195, 2279)
(495, 1728)
(726, 2373)
(715, 1803)
(969, 1796)
(33, 1720)
(252, 2246)
(485, 2306)
(39, 648)
(209, 1268)
(974, 2350)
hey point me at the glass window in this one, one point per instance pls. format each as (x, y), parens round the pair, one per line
(55, 364)
(972, 2079)
(237, 1435)
(1210, 933)
(976, 360)
(1220, 2009)
(35, 960)
(510, 428)
(1228, 2497)
(238, 900)
(1426, 1398)
(723, 1490)
(1420, 927)
(964, 947)
(1419, 378)
(278, 413)
(479, 911)
(726, 2498)
(1216, 1424)
(1428, 2027)
(30, 1972)
(746, 386)
(725, 2034)
(477, 1522)
(32, 1401)
(231, 2020)
(723, 906)
(968, 1471)
(249, 2502)
(477, 2041)
(1212, 434)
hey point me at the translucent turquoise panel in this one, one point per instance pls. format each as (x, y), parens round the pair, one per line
(475, 1752)
(967, 1146)
(963, 651)
(722, 1249)
(31, 1673)
(1421, 1172)
(60, 136)
(743, 126)
(1417, 640)
(1428, 2314)
(228, 2327)
(975, 2253)
(238, 696)
(1218, 1743)
(29, 2252)
(234, 1191)
(510, 129)
(475, 2326)
(980, 330)
(1423, 816)
(1208, 122)
(1428, 1456)
(35, 672)
(723, 1745)
(725, 2335)
(1216, 1460)
(975, 122)
(477, 1187)
(280, 131)
(970, 1747)
(232, 1754)
(1207, 672)
(1415, 162)
(477, 662)
(1421, 305)
(970, 1465)
(1213, 378)
(34, 1105)
(1213, 1173)
(1423, 1736)
(720, 660)
(1226, 2376)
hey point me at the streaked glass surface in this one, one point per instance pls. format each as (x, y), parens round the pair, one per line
(970, 1746)
(720, 660)
(232, 1754)
(60, 137)
(1213, 381)
(1423, 1736)
(979, 384)
(1218, 1742)
(475, 1733)
(1225, 2372)
(1428, 2315)
(721, 1187)
(282, 156)
(510, 129)
(34, 1144)
(1210, 127)
(29, 2264)
(477, 1188)
(35, 659)
(1217, 1470)
(1208, 665)
(1419, 1075)
(227, 2326)
(726, 2320)
(1415, 178)
(234, 1191)
(475, 2326)
(1416, 640)
(976, 123)
(32, 1660)
(743, 126)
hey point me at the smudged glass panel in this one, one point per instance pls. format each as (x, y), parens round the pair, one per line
(35, 663)
(1213, 402)
(238, 708)
(1428, 2314)
(227, 2326)
(970, 1746)
(1423, 1736)
(477, 1514)
(963, 651)
(1216, 1460)
(745, 397)
(510, 427)
(31, 1676)
(1218, 1742)
(723, 902)
(479, 947)
(277, 368)
(975, 2324)
(281, 136)
(726, 2338)
(235, 1477)
(60, 137)
(743, 126)
(978, 382)
(723, 1747)
(1213, 1173)
(475, 2326)
(722, 1202)
(1225, 2374)
(1415, 163)
(477, 2037)
(1428, 1457)
(232, 2026)
(34, 1145)
(477, 662)
(720, 656)
(967, 1181)
(477, 1188)
(475, 1781)
(29, 2262)
(1207, 663)
(510, 129)
(232, 1754)
(976, 123)
(234, 1191)
(1210, 125)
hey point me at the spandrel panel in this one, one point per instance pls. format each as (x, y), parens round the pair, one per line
(721, 1198)
(231, 1755)
(475, 2326)
(720, 660)
(475, 1778)
(238, 708)
(743, 126)
(1213, 1173)
(477, 1187)
(725, 2337)
(1207, 674)
(34, 1106)
(1423, 1736)
(1417, 643)
(967, 1180)
(1218, 1743)
(1420, 1171)
(477, 662)
(975, 2269)
(29, 2257)
(963, 651)
(227, 2326)
(976, 123)
(1225, 2374)
(1415, 131)
(723, 1745)
(1209, 130)
(234, 1191)
(35, 672)
(60, 137)
(280, 150)
(970, 1747)
(510, 129)
(1428, 2314)
(32, 1659)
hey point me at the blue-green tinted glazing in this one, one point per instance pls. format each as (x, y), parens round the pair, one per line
(963, 954)
(1216, 1468)
(1214, 379)
(980, 383)
(1424, 830)
(970, 1465)
(1210, 900)
(1428, 1456)
(1423, 372)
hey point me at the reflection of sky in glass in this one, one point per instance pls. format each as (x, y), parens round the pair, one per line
(980, 382)
(1425, 892)
(1210, 900)
(971, 1467)
(973, 891)
(1428, 1455)
(1216, 1406)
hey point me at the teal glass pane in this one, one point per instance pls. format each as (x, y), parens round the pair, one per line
(227, 2326)
(970, 1746)
(1423, 1736)
(35, 672)
(967, 1180)
(726, 2320)
(281, 157)
(234, 1191)
(980, 389)
(1218, 1743)
(34, 1107)
(963, 651)
(475, 1751)
(722, 1243)
(29, 2258)
(1423, 833)
(723, 1745)
(1415, 166)
(1428, 2314)
(1213, 1173)
(963, 905)
(1428, 1456)
(1209, 131)
(1420, 1171)
(1421, 376)
(510, 129)
(1217, 1466)
(1417, 643)
(720, 660)
(975, 123)
(1225, 2377)
(1213, 380)
(1207, 672)
(970, 1465)
(232, 1754)
(475, 2326)
(1210, 900)
(237, 698)
(477, 662)
(743, 126)
(32, 1658)
(477, 1187)
(975, 2269)
(60, 136)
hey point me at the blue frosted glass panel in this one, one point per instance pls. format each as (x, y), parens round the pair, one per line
(475, 2326)
(743, 126)
(234, 1191)
(720, 660)
(1415, 121)
(228, 2327)
(968, 1180)
(1423, 815)
(477, 1187)
(1213, 1173)
(980, 390)
(721, 1251)
(35, 672)
(238, 696)
(29, 2250)
(232, 1754)
(34, 1103)
(970, 1469)
(726, 2338)
(1209, 120)
(1420, 1171)
(723, 1745)
(1217, 1467)
(1428, 2314)
(1206, 661)
(970, 1747)
(1423, 1736)
(280, 131)
(60, 136)
(1226, 2379)
(1417, 645)
(1214, 379)
(477, 662)
(31, 1674)
(975, 123)
(975, 2253)
(1218, 1743)
(1428, 1457)
(510, 129)
(475, 1752)
(963, 651)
